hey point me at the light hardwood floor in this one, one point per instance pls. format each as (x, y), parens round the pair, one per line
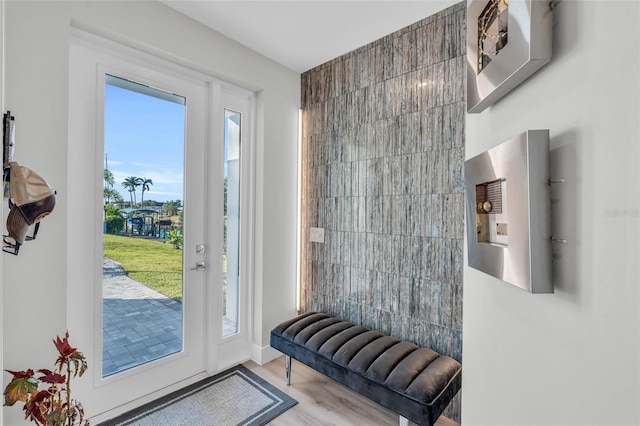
(322, 401)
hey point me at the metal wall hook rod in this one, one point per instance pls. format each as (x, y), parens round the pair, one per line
(554, 181)
(554, 4)
(200, 266)
(558, 240)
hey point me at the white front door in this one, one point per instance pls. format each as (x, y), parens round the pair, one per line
(153, 324)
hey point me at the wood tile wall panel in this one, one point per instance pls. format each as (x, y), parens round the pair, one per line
(383, 153)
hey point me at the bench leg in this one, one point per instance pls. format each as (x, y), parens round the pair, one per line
(403, 421)
(287, 369)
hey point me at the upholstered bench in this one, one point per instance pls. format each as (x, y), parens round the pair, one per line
(416, 383)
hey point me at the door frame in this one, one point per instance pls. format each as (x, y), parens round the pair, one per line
(82, 264)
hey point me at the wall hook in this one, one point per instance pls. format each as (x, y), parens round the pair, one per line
(555, 181)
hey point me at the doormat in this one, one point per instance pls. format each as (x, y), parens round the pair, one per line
(234, 397)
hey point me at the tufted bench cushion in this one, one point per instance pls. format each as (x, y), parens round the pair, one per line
(417, 383)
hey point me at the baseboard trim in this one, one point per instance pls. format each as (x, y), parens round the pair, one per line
(264, 354)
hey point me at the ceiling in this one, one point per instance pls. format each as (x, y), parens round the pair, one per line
(301, 34)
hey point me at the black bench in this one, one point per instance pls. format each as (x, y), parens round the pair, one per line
(416, 383)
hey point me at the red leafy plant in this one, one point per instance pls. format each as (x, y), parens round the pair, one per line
(53, 405)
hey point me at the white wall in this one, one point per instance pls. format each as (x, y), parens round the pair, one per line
(37, 57)
(571, 358)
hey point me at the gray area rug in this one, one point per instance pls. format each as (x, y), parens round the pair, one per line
(234, 397)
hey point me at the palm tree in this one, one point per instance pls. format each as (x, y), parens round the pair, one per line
(131, 183)
(109, 193)
(109, 180)
(111, 196)
(144, 183)
(170, 208)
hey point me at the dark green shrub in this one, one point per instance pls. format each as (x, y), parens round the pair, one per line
(110, 210)
(114, 224)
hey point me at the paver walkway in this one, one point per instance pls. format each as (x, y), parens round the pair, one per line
(139, 324)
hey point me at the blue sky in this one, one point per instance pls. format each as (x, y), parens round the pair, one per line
(144, 137)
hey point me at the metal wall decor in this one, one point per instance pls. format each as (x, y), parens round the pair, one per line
(507, 41)
(8, 144)
(509, 212)
(30, 197)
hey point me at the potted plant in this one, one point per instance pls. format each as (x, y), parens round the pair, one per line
(53, 405)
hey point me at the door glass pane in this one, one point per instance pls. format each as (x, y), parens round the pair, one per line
(231, 244)
(143, 191)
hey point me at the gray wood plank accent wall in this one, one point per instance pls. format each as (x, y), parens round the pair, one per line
(383, 155)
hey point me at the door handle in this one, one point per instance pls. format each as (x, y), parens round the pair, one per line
(200, 266)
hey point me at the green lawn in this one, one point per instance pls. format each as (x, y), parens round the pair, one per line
(151, 262)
